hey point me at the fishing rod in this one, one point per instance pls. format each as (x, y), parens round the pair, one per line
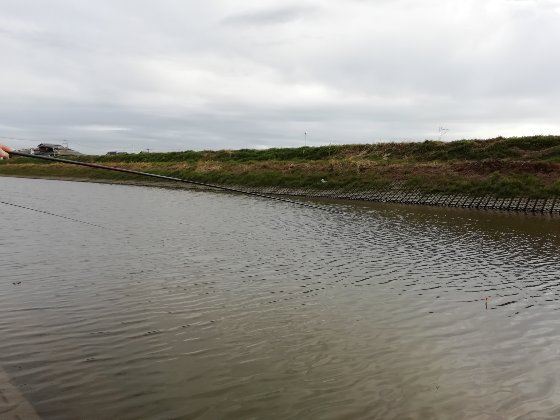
(167, 178)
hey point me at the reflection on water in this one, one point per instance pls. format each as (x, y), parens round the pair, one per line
(203, 305)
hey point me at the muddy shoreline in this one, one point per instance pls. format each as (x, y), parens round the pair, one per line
(392, 194)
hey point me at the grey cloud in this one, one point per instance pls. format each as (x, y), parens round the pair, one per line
(177, 75)
(270, 16)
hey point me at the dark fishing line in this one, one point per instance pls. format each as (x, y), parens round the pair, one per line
(170, 178)
(50, 214)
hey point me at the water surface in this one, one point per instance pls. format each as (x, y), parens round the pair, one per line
(211, 305)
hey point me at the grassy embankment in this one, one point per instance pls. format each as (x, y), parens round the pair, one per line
(524, 166)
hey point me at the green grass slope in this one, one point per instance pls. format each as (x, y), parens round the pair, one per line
(504, 167)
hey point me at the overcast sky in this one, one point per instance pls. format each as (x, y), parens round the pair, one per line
(217, 74)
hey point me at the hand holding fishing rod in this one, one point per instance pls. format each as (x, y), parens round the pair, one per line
(4, 151)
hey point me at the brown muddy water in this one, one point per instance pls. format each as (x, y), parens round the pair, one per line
(219, 306)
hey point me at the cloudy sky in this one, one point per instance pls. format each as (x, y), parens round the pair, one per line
(222, 74)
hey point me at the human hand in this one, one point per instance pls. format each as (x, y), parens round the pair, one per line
(4, 151)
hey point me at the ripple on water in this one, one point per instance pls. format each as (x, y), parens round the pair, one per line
(220, 306)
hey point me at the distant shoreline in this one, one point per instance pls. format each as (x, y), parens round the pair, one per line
(507, 173)
(392, 195)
